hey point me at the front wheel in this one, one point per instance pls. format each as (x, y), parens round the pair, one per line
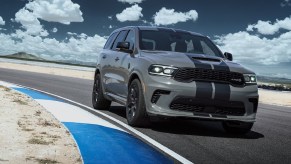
(136, 114)
(237, 127)
(98, 100)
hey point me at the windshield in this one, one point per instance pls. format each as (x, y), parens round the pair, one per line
(168, 40)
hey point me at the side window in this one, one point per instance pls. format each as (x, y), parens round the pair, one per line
(110, 40)
(119, 38)
(130, 39)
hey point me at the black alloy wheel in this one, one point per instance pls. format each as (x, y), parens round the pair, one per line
(136, 114)
(99, 102)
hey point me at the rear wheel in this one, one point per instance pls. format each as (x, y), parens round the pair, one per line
(136, 114)
(98, 100)
(237, 127)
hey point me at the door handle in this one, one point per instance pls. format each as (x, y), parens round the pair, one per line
(117, 58)
(104, 57)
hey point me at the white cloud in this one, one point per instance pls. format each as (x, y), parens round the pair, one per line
(83, 36)
(170, 16)
(2, 22)
(72, 34)
(62, 11)
(110, 17)
(132, 13)
(130, 1)
(30, 22)
(255, 49)
(80, 47)
(32, 37)
(269, 28)
(54, 30)
(110, 27)
(285, 24)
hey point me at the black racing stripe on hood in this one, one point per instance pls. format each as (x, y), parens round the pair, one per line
(222, 92)
(204, 90)
(222, 66)
(199, 64)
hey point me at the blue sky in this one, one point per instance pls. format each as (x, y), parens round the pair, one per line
(258, 33)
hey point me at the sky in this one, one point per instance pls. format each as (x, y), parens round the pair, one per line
(256, 32)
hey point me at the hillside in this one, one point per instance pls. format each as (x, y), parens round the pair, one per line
(23, 55)
(277, 80)
(29, 57)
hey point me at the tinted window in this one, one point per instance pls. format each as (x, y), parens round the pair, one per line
(167, 40)
(110, 41)
(130, 39)
(119, 38)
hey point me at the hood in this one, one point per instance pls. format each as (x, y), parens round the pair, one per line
(178, 59)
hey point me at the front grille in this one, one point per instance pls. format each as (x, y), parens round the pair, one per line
(205, 106)
(201, 74)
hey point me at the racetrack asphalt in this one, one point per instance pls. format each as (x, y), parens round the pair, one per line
(198, 141)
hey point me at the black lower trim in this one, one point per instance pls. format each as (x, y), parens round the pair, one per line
(255, 103)
(157, 94)
(208, 106)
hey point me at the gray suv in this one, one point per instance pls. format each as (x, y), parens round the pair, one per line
(167, 72)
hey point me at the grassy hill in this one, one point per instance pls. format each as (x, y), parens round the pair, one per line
(30, 57)
(23, 55)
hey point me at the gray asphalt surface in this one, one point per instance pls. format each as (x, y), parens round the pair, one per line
(198, 141)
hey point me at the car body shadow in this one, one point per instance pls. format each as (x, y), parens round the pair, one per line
(189, 126)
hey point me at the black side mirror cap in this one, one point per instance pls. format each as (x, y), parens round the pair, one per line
(228, 56)
(124, 47)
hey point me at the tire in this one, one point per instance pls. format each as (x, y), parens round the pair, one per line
(99, 102)
(237, 127)
(136, 114)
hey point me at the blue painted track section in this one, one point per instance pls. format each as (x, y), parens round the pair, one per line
(99, 144)
(36, 95)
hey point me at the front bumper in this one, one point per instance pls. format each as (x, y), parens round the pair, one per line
(241, 106)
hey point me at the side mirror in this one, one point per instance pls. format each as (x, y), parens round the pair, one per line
(124, 47)
(228, 56)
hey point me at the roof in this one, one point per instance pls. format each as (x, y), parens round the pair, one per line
(158, 28)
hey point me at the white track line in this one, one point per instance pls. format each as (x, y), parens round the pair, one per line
(138, 133)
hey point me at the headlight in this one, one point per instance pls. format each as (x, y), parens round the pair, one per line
(162, 70)
(250, 78)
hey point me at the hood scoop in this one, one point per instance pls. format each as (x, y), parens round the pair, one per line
(206, 59)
